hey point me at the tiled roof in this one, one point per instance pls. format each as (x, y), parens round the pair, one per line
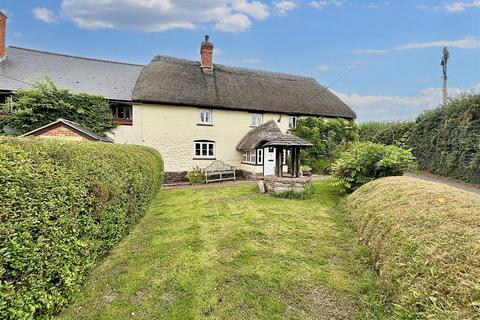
(113, 80)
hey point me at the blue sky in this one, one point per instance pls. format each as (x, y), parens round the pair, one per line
(383, 56)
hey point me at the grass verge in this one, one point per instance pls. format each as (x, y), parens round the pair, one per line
(232, 253)
(425, 240)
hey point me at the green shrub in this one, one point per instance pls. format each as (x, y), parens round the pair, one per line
(425, 242)
(366, 161)
(63, 205)
(396, 133)
(306, 193)
(446, 140)
(196, 176)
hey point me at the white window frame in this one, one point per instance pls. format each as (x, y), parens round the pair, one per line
(204, 145)
(256, 119)
(249, 156)
(292, 122)
(205, 116)
(259, 156)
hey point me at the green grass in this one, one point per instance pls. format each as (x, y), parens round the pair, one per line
(232, 253)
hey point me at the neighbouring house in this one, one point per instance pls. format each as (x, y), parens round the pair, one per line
(193, 112)
(68, 130)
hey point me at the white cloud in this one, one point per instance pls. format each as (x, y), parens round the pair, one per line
(44, 14)
(217, 51)
(328, 68)
(320, 4)
(323, 68)
(256, 9)
(236, 22)
(462, 6)
(468, 42)
(388, 108)
(371, 51)
(162, 15)
(284, 6)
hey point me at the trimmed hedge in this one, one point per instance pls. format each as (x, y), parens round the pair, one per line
(446, 140)
(425, 243)
(387, 133)
(63, 205)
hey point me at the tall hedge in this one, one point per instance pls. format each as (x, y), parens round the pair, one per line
(63, 205)
(446, 140)
(387, 133)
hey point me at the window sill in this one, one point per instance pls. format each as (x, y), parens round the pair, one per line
(252, 164)
(205, 124)
(200, 158)
(124, 122)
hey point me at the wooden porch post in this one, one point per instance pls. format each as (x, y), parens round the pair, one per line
(294, 163)
(279, 164)
(297, 161)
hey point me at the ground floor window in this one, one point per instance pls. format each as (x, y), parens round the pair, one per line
(204, 149)
(249, 156)
(260, 156)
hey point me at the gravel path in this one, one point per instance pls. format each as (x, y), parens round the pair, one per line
(451, 182)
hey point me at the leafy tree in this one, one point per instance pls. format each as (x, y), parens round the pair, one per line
(44, 103)
(329, 138)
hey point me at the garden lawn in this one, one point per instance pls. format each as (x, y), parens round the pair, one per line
(232, 253)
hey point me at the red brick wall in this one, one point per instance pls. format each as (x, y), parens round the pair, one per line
(3, 26)
(63, 132)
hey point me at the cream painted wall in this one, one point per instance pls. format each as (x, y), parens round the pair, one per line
(172, 130)
(130, 134)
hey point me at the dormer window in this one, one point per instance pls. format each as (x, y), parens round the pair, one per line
(256, 119)
(205, 117)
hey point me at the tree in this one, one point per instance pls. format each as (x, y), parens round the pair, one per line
(44, 103)
(329, 137)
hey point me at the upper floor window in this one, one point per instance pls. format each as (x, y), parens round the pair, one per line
(292, 122)
(205, 116)
(122, 113)
(256, 119)
(204, 149)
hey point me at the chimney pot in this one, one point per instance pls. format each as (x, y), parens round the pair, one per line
(3, 28)
(206, 54)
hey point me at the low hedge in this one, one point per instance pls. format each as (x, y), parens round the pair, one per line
(425, 242)
(63, 205)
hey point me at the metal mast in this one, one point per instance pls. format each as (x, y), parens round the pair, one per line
(444, 63)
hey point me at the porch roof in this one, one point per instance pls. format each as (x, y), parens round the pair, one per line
(288, 140)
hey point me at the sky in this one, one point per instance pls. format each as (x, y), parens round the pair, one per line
(380, 57)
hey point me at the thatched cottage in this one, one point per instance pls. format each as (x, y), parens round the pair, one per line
(193, 112)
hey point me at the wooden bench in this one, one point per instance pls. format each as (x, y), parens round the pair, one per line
(219, 171)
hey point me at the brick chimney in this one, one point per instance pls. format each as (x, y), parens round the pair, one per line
(206, 53)
(3, 28)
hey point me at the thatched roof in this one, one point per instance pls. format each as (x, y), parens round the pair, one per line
(259, 135)
(175, 81)
(288, 140)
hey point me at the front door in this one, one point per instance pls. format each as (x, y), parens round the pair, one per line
(269, 161)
